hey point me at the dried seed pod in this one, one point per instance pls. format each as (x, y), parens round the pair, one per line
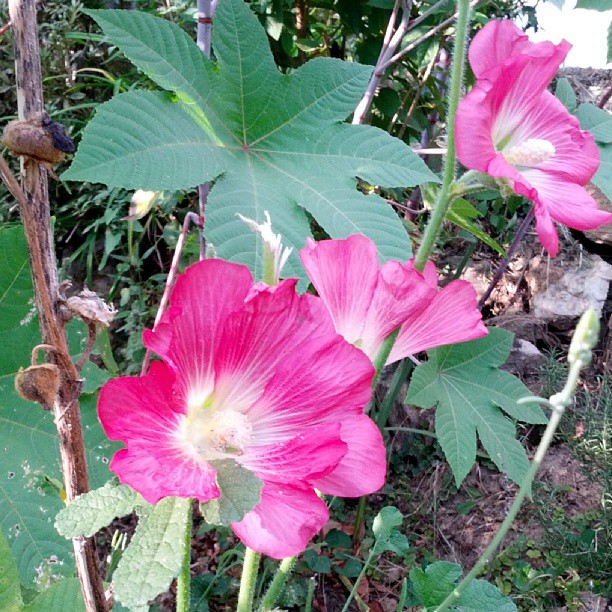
(91, 308)
(39, 383)
(40, 138)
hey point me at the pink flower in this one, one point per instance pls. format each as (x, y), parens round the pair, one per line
(368, 302)
(510, 127)
(258, 375)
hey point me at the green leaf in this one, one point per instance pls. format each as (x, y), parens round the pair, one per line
(609, 55)
(467, 386)
(10, 589)
(94, 377)
(597, 121)
(29, 455)
(240, 493)
(482, 596)
(565, 92)
(433, 586)
(89, 512)
(153, 557)
(594, 5)
(62, 596)
(385, 528)
(317, 563)
(272, 142)
(603, 177)
(459, 214)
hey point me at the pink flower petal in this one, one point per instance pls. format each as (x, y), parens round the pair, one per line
(545, 228)
(283, 522)
(312, 454)
(498, 42)
(451, 317)
(143, 413)
(399, 293)
(576, 156)
(344, 273)
(363, 469)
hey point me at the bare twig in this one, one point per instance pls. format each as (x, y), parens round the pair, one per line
(35, 213)
(5, 27)
(393, 37)
(206, 12)
(441, 26)
(190, 218)
(516, 241)
(605, 98)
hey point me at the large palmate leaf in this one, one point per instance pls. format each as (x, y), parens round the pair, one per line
(467, 386)
(273, 142)
(29, 456)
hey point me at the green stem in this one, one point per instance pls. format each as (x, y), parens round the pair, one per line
(248, 581)
(456, 84)
(383, 354)
(361, 508)
(579, 356)
(184, 580)
(356, 585)
(422, 432)
(399, 377)
(310, 595)
(278, 584)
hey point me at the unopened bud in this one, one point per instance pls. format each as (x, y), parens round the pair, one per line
(585, 338)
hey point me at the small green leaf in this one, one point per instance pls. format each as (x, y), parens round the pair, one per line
(565, 92)
(153, 557)
(482, 596)
(469, 390)
(240, 493)
(89, 512)
(317, 563)
(94, 377)
(433, 586)
(594, 5)
(10, 589)
(603, 177)
(62, 596)
(473, 229)
(597, 121)
(436, 582)
(385, 528)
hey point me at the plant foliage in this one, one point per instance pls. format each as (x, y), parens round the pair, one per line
(272, 142)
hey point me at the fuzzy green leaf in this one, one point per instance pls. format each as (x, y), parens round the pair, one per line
(10, 590)
(433, 586)
(29, 456)
(240, 493)
(62, 596)
(468, 388)
(89, 512)
(272, 142)
(154, 555)
(385, 528)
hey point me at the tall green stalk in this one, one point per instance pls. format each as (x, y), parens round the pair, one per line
(277, 585)
(248, 581)
(444, 198)
(184, 580)
(585, 338)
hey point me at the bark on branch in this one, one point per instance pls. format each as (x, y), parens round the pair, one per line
(34, 208)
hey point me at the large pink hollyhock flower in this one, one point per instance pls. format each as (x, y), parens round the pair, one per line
(510, 127)
(368, 302)
(258, 375)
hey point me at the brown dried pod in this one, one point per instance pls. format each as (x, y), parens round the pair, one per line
(39, 383)
(39, 137)
(91, 308)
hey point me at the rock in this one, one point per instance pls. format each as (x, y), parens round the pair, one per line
(561, 293)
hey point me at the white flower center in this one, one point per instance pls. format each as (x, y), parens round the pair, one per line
(531, 152)
(212, 433)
